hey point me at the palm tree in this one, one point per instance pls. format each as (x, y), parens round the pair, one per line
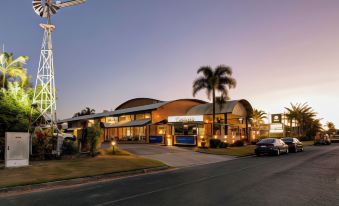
(258, 117)
(86, 111)
(303, 115)
(13, 67)
(330, 125)
(220, 79)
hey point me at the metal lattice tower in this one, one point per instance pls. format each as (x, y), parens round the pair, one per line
(44, 100)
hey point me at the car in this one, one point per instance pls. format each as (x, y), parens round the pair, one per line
(65, 136)
(323, 139)
(271, 146)
(293, 144)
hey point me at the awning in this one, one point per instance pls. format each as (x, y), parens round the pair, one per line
(134, 123)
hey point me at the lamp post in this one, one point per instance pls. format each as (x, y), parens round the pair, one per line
(113, 143)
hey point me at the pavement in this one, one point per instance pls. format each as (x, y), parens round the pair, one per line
(307, 178)
(174, 156)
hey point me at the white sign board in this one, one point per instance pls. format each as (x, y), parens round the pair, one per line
(195, 118)
(17, 149)
(276, 128)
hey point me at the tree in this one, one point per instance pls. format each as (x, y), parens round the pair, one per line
(217, 80)
(13, 68)
(258, 117)
(93, 135)
(304, 117)
(86, 111)
(330, 127)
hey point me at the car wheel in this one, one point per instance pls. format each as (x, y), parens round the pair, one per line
(287, 151)
(257, 154)
(296, 149)
(278, 152)
(302, 149)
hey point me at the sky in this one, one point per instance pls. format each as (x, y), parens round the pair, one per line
(107, 52)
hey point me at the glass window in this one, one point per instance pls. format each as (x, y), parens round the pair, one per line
(191, 129)
(178, 129)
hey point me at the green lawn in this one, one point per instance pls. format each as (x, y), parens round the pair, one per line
(308, 143)
(234, 151)
(46, 171)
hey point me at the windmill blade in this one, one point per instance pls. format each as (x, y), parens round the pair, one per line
(69, 3)
(38, 8)
(44, 10)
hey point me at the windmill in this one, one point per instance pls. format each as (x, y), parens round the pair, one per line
(44, 99)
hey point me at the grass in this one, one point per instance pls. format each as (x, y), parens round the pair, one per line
(308, 143)
(54, 170)
(233, 151)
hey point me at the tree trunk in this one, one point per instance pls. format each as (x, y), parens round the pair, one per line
(213, 115)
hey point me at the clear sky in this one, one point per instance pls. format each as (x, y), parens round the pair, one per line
(109, 51)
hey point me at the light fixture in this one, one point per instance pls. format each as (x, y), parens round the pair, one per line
(113, 143)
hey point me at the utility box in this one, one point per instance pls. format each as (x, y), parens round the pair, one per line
(17, 149)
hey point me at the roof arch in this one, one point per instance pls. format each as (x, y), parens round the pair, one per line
(238, 107)
(137, 102)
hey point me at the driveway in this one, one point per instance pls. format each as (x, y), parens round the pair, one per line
(172, 155)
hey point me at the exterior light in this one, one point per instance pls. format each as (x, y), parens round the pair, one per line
(225, 136)
(113, 143)
(215, 136)
(169, 142)
(201, 137)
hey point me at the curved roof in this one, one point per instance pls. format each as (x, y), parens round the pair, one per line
(228, 107)
(129, 110)
(137, 102)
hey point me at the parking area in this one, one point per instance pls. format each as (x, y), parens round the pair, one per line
(174, 156)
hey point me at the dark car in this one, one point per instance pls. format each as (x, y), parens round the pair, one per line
(293, 144)
(322, 139)
(271, 146)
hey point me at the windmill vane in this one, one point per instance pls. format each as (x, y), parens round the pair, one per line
(46, 8)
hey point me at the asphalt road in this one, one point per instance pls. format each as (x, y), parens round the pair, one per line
(307, 178)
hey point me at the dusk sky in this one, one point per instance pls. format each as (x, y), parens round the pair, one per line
(109, 51)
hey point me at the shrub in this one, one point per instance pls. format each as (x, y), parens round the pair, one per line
(93, 135)
(238, 143)
(2, 148)
(43, 143)
(69, 147)
(305, 138)
(223, 145)
(214, 143)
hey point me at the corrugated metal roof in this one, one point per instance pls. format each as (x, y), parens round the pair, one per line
(117, 112)
(134, 123)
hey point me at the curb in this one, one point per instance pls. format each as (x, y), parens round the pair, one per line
(77, 181)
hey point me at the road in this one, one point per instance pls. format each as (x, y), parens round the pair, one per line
(307, 178)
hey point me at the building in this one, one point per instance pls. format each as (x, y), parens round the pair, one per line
(177, 122)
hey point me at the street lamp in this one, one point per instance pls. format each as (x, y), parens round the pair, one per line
(113, 143)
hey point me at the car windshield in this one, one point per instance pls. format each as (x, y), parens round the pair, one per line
(287, 139)
(266, 141)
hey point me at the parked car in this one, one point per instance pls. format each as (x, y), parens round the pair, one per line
(271, 146)
(322, 139)
(65, 136)
(293, 144)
